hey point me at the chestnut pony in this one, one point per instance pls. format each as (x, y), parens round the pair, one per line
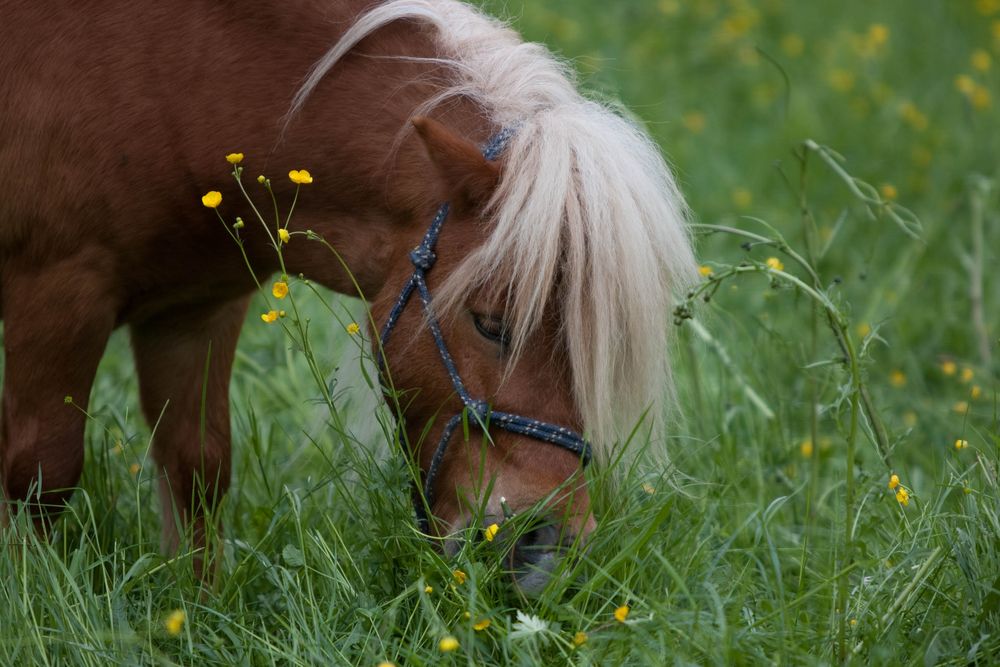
(554, 269)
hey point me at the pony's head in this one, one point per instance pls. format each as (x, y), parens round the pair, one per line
(465, 363)
(549, 288)
(552, 279)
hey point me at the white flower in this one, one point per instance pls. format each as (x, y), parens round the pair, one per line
(528, 626)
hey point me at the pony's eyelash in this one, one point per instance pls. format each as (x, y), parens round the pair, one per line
(492, 327)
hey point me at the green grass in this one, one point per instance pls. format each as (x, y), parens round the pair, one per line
(764, 554)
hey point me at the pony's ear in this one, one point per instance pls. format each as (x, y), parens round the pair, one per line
(470, 179)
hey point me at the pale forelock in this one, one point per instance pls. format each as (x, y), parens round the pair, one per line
(586, 205)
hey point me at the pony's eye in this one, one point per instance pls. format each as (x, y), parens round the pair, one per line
(493, 328)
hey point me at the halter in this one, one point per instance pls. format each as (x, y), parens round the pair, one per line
(423, 258)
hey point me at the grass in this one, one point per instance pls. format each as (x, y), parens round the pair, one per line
(803, 388)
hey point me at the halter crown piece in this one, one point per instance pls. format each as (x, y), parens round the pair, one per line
(423, 258)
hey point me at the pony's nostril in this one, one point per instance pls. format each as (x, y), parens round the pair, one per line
(535, 541)
(534, 557)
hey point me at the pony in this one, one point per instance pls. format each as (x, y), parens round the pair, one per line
(552, 276)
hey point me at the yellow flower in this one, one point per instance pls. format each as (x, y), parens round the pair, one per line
(270, 316)
(648, 488)
(300, 177)
(975, 392)
(134, 469)
(175, 622)
(893, 481)
(353, 328)
(987, 7)
(279, 289)
(888, 191)
(234, 158)
(704, 271)
(913, 116)
(460, 576)
(737, 25)
(980, 98)
(448, 644)
(967, 374)
(774, 263)
(428, 589)
(897, 379)
(910, 418)
(481, 625)
(854, 622)
(948, 367)
(669, 7)
(580, 638)
(792, 45)
(284, 235)
(491, 532)
(903, 496)
(742, 198)
(806, 448)
(212, 199)
(961, 407)
(965, 84)
(864, 329)
(694, 121)
(840, 80)
(981, 60)
(386, 663)
(878, 34)
(621, 613)
(961, 444)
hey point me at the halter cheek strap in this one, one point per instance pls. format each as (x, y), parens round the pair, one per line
(423, 259)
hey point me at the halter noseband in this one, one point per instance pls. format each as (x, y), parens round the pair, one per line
(423, 258)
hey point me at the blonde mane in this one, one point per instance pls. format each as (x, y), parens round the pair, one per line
(586, 202)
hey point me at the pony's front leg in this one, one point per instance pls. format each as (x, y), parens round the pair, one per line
(184, 358)
(57, 320)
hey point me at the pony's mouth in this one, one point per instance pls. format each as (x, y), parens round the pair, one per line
(534, 558)
(530, 560)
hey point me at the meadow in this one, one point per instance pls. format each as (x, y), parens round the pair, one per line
(834, 492)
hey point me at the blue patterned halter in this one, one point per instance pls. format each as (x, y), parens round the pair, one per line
(479, 411)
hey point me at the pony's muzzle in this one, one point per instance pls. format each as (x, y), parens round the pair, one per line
(532, 554)
(535, 556)
(530, 557)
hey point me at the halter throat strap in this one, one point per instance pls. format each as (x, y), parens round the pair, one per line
(422, 257)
